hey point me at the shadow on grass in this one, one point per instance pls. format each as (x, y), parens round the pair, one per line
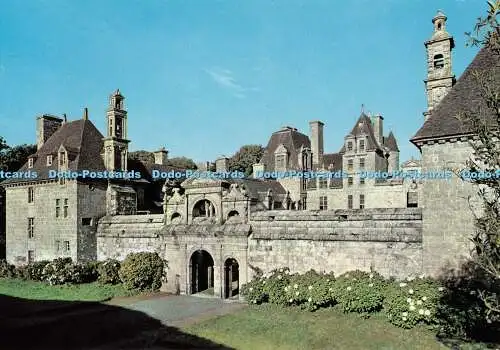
(46, 324)
(462, 314)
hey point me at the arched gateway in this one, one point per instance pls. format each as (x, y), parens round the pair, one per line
(201, 266)
(231, 278)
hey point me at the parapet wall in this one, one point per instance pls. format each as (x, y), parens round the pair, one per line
(387, 240)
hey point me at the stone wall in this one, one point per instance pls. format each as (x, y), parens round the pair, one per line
(448, 219)
(389, 240)
(117, 236)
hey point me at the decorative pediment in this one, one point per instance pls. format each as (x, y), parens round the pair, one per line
(236, 192)
(176, 197)
(281, 149)
(201, 182)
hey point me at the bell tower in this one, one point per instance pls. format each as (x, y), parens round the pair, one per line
(116, 143)
(440, 78)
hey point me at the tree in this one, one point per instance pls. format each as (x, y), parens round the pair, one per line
(13, 158)
(486, 157)
(182, 162)
(245, 158)
(143, 156)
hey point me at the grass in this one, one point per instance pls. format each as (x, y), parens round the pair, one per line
(271, 327)
(43, 291)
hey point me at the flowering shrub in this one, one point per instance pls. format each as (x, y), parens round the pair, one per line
(60, 271)
(267, 287)
(413, 301)
(310, 291)
(7, 270)
(33, 271)
(253, 291)
(142, 271)
(359, 291)
(108, 272)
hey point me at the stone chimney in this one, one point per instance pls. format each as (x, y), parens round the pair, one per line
(378, 128)
(256, 169)
(203, 166)
(161, 156)
(316, 131)
(46, 126)
(222, 164)
(85, 113)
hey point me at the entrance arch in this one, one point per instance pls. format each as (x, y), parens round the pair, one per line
(203, 208)
(231, 278)
(201, 266)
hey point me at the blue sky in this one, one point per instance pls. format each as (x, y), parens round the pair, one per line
(203, 77)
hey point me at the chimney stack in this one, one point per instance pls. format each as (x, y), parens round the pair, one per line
(46, 126)
(222, 164)
(161, 156)
(378, 128)
(85, 113)
(316, 131)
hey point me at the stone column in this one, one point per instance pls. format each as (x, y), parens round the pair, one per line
(210, 282)
(230, 281)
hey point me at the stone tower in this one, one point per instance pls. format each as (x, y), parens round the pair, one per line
(116, 143)
(440, 78)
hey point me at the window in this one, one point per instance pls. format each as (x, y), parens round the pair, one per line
(49, 160)
(31, 256)
(350, 165)
(349, 181)
(30, 163)
(281, 161)
(323, 203)
(361, 180)
(31, 227)
(31, 194)
(349, 201)
(65, 213)
(361, 145)
(323, 182)
(349, 146)
(66, 246)
(58, 246)
(58, 208)
(361, 201)
(86, 221)
(304, 184)
(438, 61)
(362, 163)
(304, 203)
(412, 200)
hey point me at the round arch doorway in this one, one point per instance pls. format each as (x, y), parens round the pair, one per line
(201, 266)
(231, 278)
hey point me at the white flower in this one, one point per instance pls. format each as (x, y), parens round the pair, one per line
(419, 302)
(371, 275)
(280, 270)
(422, 276)
(295, 286)
(421, 311)
(310, 287)
(424, 298)
(251, 289)
(440, 289)
(354, 279)
(412, 308)
(370, 285)
(472, 292)
(279, 277)
(347, 276)
(488, 320)
(405, 314)
(330, 289)
(349, 288)
(409, 279)
(297, 293)
(291, 300)
(286, 289)
(402, 284)
(255, 301)
(410, 291)
(328, 280)
(309, 300)
(408, 300)
(427, 312)
(404, 318)
(263, 282)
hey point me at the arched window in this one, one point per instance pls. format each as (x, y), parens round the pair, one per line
(438, 61)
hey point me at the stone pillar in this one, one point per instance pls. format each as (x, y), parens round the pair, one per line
(210, 282)
(217, 282)
(230, 281)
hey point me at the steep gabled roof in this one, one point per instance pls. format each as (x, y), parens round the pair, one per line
(464, 96)
(289, 137)
(364, 126)
(391, 143)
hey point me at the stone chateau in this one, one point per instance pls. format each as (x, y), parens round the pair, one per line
(216, 234)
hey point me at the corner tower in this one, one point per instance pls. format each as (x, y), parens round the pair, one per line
(440, 78)
(116, 143)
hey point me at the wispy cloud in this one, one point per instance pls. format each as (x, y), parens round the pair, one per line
(225, 78)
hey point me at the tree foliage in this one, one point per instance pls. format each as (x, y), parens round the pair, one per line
(178, 162)
(245, 158)
(13, 158)
(486, 158)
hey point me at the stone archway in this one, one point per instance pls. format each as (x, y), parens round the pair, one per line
(203, 208)
(231, 278)
(201, 272)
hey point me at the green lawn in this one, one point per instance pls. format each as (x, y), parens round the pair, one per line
(271, 327)
(42, 291)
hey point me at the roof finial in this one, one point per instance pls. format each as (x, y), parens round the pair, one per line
(362, 108)
(65, 119)
(85, 113)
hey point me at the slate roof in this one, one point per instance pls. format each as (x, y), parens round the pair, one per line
(257, 188)
(292, 139)
(391, 143)
(464, 96)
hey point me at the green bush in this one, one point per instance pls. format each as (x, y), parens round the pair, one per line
(253, 291)
(60, 271)
(413, 301)
(142, 271)
(359, 291)
(108, 272)
(33, 271)
(310, 290)
(7, 270)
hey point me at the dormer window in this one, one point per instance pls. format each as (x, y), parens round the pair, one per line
(30, 163)
(438, 61)
(349, 146)
(49, 160)
(281, 161)
(361, 145)
(63, 159)
(281, 158)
